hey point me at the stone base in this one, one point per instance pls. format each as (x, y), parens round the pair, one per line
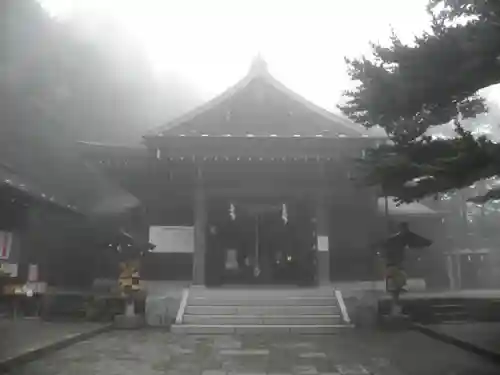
(129, 322)
(395, 322)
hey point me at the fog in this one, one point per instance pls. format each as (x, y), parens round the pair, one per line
(70, 77)
(81, 83)
(157, 58)
(60, 84)
(210, 44)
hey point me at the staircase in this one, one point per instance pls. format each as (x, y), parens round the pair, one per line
(245, 310)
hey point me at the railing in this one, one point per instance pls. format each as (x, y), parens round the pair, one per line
(182, 306)
(343, 308)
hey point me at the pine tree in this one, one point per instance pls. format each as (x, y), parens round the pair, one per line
(409, 88)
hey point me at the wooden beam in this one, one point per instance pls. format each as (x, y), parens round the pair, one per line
(200, 224)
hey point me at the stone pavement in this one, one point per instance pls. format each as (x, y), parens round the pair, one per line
(464, 293)
(482, 338)
(23, 338)
(152, 352)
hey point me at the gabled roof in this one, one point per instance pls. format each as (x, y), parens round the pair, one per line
(260, 106)
(34, 159)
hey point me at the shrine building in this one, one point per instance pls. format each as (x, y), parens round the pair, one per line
(254, 187)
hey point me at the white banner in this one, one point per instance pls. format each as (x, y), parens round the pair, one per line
(5, 244)
(172, 239)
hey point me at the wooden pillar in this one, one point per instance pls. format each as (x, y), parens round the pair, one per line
(200, 224)
(322, 230)
(322, 233)
(450, 269)
(458, 263)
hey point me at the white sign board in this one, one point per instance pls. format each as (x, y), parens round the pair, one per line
(172, 239)
(322, 243)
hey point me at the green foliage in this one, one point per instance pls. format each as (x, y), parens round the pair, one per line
(409, 88)
(477, 10)
(411, 171)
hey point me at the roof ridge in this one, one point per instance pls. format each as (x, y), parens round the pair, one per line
(258, 69)
(352, 126)
(241, 84)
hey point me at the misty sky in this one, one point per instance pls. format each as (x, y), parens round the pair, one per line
(211, 43)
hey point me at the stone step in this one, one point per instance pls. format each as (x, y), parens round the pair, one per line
(263, 320)
(261, 293)
(226, 329)
(241, 300)
(262, 310)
